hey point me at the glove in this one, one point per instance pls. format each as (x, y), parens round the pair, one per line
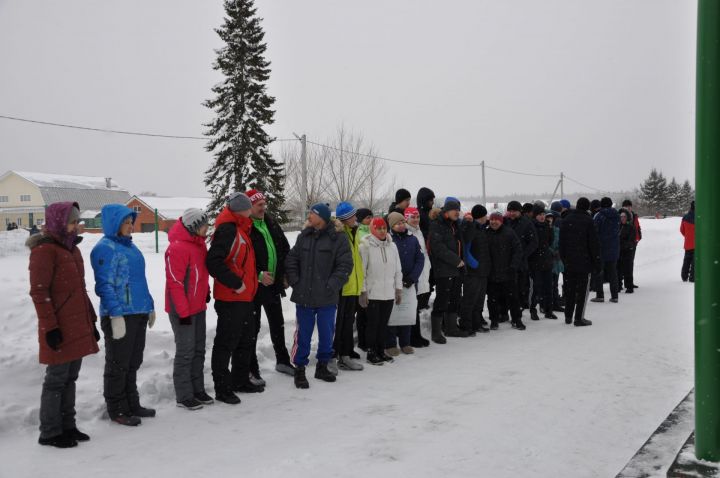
(96, 333)
(398, 296)
(151, 319)
(54, 338)
(207, 299)
(363, 300)
(185, 320)
(117, 324)
(407, 283)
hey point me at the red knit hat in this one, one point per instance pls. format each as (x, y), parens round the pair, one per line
(375, 224)
(255, 196)
(411, 211)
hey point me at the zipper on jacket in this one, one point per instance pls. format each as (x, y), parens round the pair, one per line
(127, 294)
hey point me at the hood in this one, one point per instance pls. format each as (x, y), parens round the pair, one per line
(56, 221)
(423, 196)
(375, 242)
(180, 233)
(113, 216)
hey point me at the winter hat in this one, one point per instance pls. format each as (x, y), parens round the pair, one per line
(537, 210)
(376, 223)
(583, 204)
(394, 217)
(556, 206)
(451, 204)
(321, 210)
(478, 211)
(193, 219)
(238, 202)
(606, 202)
(411, 211)
(527, 207)
(514, 206)
(496, 215)
(345, 211)
(361, 213)
(57, 218)
(594, 204)
(565, 203)
(402, 194)
(627, 203)
(255, 196)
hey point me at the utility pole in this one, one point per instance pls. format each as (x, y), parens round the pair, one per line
(483, 183)
(562, 185)
(303, 167)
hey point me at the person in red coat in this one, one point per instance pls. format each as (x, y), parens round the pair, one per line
(231, 262)
(66, 320)
(187, 292)
(687, 229)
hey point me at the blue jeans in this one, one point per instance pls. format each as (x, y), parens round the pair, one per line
(304, 328)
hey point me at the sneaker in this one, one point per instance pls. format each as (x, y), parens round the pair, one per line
(518, 325)
(550, 316)
(354, 355)
(77, 435)
(386, 358)
(285, 368)
(256, 379)
(347, 363)
(227, 397)
(582, 323)
(374, 359)
(323, 373)
(248, 387)
(614, 300)
(204, 398)
(332, 366)
(407, 350)
(392, 351)
(300, 378)
(597, 299)
(143, 412)
(127, 420)
(190, 404)
(60, 441)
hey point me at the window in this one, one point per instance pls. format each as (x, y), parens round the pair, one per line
(137, 209)
(24, 198)
(4, 199)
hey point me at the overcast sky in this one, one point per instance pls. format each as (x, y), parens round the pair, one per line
(601, 90)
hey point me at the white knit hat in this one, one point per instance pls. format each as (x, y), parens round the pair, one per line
(193, 219)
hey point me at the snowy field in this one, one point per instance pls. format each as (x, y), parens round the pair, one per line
(553, 401)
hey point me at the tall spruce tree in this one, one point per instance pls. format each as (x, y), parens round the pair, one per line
(687, 195)
(672, 198)
(242, 106)
(652, 192)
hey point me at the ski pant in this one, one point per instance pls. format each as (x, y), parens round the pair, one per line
(473, 299)
(273, 310)
(344, 342)
(378, 314)
(397, 333)
(123, 358)
(57, 402)
(234, 340)
(576, 290)
(304, 328)
(688, 268)
(609, 271)
(500, 293)
(189, 362)
(625, 270)
(448, 291)
(542, 290)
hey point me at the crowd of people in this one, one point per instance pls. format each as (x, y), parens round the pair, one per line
(355, 274)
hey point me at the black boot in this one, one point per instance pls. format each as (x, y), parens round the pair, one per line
(517, 324)
(77, 435)
(59, 441)
(582, 322)
(416, 338)
(322, 372)
(568, 319)
(142, 412)
(373, 358)
(493, 324)
(550, 315)
(301, 380)
(451, 326)
(437, 335)
(533, 314)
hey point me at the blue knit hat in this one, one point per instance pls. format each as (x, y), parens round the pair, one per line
(451, 203)
(321, 210)
(565, 203)
(345, 211)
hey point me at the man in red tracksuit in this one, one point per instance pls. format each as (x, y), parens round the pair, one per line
(231, 262)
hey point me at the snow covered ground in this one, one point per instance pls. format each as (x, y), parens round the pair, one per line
(553, 401)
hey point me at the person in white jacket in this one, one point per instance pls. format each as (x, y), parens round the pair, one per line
(382, 287)
(412, 217)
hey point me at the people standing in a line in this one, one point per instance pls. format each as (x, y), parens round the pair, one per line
(364, 217)
(402, 200)
(524, 229)
(187, 293)
(317, 267)
(447, 266)
(540, 264)
(506, 259)
(231, 262)
(127, 310)
(412, 262)
(344, 343)
(477, 269)
(580, 253)
(66, 320)
(635, 221)
(412, 218)
(607, 223)
(382, 287)
(627, 252)
(687, 229)
(271, 248)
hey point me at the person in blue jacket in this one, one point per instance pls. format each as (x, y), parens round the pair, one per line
(607, 224)
(126, 309)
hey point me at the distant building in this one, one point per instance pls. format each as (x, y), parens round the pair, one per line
(169, 210)
(24, 195)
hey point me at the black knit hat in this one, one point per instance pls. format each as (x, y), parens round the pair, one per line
(583, 204)
(402, 194)
(594, 204)
(362, 213)
(478, 211)
(606, 202)
(627, 203)
(514, 206)
(538, 209)
(527, 207)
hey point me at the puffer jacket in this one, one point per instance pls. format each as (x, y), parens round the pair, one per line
(607, 224)
(381, 267)
(445, 247)
(411, 256)
(353, 286)
(423, 282)
(525, 231)
(119, 268)
(476, 243)
(318, 266)
(506, 254)
(687, 229)
(579, 246)
(186, 276)
(542, 259)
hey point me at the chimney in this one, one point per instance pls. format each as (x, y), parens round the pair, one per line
(108, 183)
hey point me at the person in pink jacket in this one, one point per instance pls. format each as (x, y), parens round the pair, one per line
(187, 292)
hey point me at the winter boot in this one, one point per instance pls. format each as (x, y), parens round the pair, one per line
(226, 396)
(493, 324)
(408, 350)
(300, 380)
(127, 420)
(76, 435)
(582, 322)
(190, 404)
(568, 319)
(322, 372)
(550, 315)
(480, 325)
(373, 359)
(534, 315)
(614, 300)
(597, 299)
(517, 324)
(451, 326)
(143, 412)
(204, 398)
(385, 357)
(256, 379)
(285, 367)
(248, 387)
(436, 322)
(416, 338)
(60, 441)
(346, 363)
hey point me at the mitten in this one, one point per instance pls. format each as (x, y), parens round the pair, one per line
(54, 338)
(117, 324)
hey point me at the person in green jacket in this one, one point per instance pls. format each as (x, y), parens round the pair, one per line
(344, 340)
(364, 218)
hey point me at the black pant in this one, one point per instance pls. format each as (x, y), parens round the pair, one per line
(361, 324)
(500, 295)
(473, 299)
(523, 289)
(609, 272)
(344, 340)
(57, 402)
(234, 338)
(688, 267)
(576, 290)
(448, 291)
(123, 358)
(273, 310)
(625, 269)
(378, 315)
(542, 290)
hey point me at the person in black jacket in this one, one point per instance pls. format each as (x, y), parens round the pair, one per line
(540, 263)
(506, 258)
(425, 203)
(525, 231)
(447, 266)
(477, 264)
(402, 200)
(627, 251)
(580, 253)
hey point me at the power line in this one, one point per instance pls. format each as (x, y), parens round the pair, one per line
(394, 160)
(584, 185)
(522, 173)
